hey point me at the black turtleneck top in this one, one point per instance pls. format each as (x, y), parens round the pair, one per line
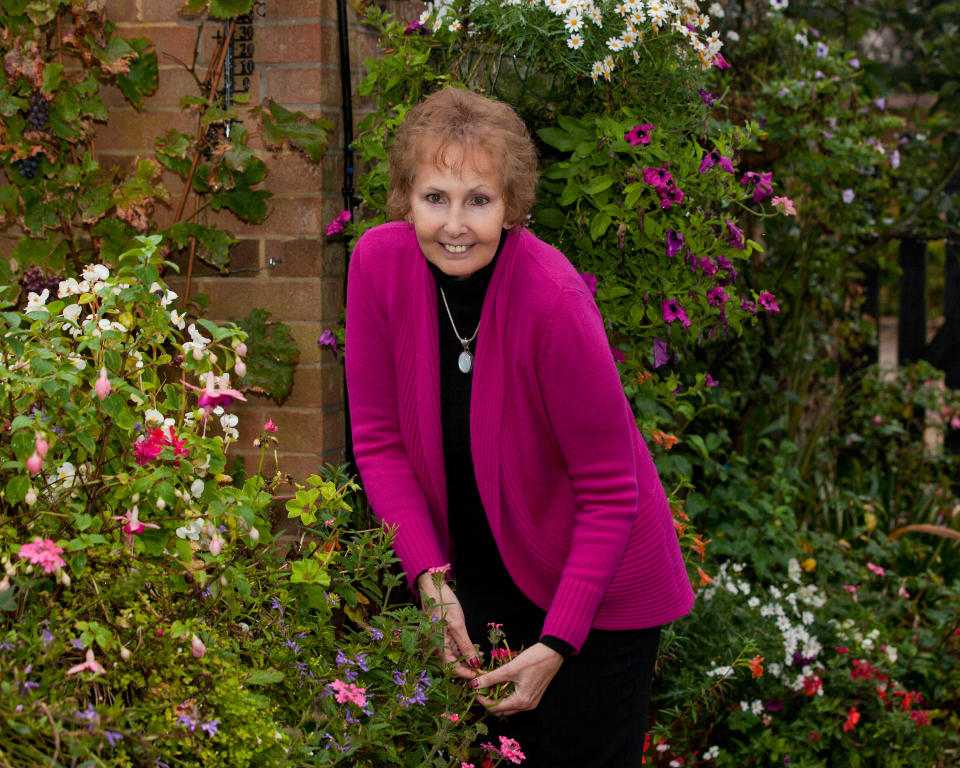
(484, 586)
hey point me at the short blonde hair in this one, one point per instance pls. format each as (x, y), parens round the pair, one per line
(454, 117)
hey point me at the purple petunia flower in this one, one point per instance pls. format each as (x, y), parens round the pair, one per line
(748, 306)
(657, 177)
(715, 158)
(707, 266)
(675, 241)
(769, 302)
(673, 311)
(669, 196)
(717, 297)
(710, 381)
(639, 134)
(618, 355)
(661, 354)
(735, 235)
(707, 97)
(761, 182)
(113, 737)
(328, 339)
(591, 281)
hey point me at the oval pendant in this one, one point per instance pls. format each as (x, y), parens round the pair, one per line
(465, 362)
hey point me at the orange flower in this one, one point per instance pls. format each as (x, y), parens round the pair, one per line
(853, 718)
(704, 578)
(678, 512)
(643, 377)
(681, 528)
(700, 546)
(756, 667)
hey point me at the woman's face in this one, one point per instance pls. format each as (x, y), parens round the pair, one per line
(458, 212)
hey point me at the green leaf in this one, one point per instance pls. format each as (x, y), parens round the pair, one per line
(281, 126)
(272, 356)
(559, 138)
(248, 204)
(17, 489)
(264, 676)
(598, 184)
(143, 77)
(601, 222)
(226, 9)
(308, 572)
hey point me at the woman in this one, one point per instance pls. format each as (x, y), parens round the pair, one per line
(491, 430)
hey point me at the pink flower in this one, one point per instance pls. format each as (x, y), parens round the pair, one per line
(719, 62)
(241, 349)
(328, 339)
(673, 311)
(876, 569)
(510, 749)
(657, 177)
(269, 426)
(710, 381)
(784, 205)
(903, 592)
(715, 158)
(90, 664)
(132, 523)
(769, 302)
(215, 392)
(34, 463)
(40, 446)
(149, 448)
(591, 281)
(344, 692)
(240, 368)
(454, 718)
(717, 297)
(45, 553)
(851, 589)
(336, 226)
(761, 183)
(675, 242)
(433, 570)
(735, 235)
(955, 422)
(618, 355)
(101, 387)
(639, 134)
(197, 648)
(466, 765)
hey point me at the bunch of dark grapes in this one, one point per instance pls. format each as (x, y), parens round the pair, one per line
(28, 166)
(35, 280)
(39, 112)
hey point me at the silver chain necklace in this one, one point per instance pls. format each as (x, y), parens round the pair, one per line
(465, 361)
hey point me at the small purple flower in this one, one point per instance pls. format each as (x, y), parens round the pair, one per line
(707, 266)
(90, 715)
(673, 311)
(761, 183)
(328, 339)
(854, 62)
(823, 50)
(46, 637)
(675, 242)
(748, 306)
(113, 737)
(669, 196)
(591, 281)
(188, 721)
(276, 605)
(735, 235)
(77, 643)
(661, 353)
(774, 705)
(895, 159)
(415, 28)
(375, 634)
(292, 645)
(717, 297)
(715, 158)
(618, 355)
(818, 75)
(880, 103)
(769, 302)
(710, 381)
(707, 97)
(847, 196)
(210, 727)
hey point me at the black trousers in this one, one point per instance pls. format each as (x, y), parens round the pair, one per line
(594, 712)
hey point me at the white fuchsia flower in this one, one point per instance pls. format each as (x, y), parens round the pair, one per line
(178, 319)
(68, 287)
(191, 530)
(95, 273)
(36, 301)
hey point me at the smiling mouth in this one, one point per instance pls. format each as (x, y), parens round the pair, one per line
(456, 248)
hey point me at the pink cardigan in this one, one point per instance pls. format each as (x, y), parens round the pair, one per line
(573, 498)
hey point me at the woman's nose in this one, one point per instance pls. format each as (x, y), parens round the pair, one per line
(454, 224)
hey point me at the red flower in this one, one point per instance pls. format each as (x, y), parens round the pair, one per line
(853, 717)
(812, 684)
(756, 667)
(920, 717)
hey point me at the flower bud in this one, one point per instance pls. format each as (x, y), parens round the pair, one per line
(213, 358)
(254, 534)
(216, 544)
(125, 653)
(101, 387)
(34, 463)
(240, 349)
(31, 498)
(161, 504)
(223, 581)
(240, 368)
(197, 354)
(65, 579)
(197, 648)
(41, 446)
(4, 584)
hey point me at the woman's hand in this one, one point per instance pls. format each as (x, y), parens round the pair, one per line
(443, 605)
(530, 672)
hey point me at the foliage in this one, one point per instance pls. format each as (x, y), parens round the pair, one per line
(70, 210)
(148, 614)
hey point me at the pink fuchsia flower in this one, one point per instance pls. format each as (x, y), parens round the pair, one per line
(675, 242)
(215, 392)
(40, 446)
(43, 552)
(328, 339)
(761, 183)
(91, 664)
(348, 692)
(269, 426)
(34, 463)
(639, 134)
(719, 62)
(132, 525)
(715, 158)
(336, 226)
(769, 302)
(197, 648)
(734, 235)
(591, 281)
(101, 387)
(240, 368)
(784, 205)
(876, 569)
(673, 311)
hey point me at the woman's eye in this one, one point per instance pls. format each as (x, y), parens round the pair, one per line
(480, 200)
(433, 197)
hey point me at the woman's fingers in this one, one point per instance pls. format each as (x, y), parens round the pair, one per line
(530, 673)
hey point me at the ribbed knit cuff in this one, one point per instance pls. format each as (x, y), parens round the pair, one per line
(560, 646)
(571, 612)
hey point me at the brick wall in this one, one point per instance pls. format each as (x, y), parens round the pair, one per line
(282, 265)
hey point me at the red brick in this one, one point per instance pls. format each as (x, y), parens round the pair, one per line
(299, 466)
(295, 258)
(333, 299)
(244, 256)
(288, 216)
(317, 386)
(334, 430)
(302, 9)
(162, 10)
(286, 300)
(170, 40)
(292, 173)
(300, 430)
(130, 130)
(287, 43)
(292, 86)
(306, 335)
(121, 10)
(7, 244)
